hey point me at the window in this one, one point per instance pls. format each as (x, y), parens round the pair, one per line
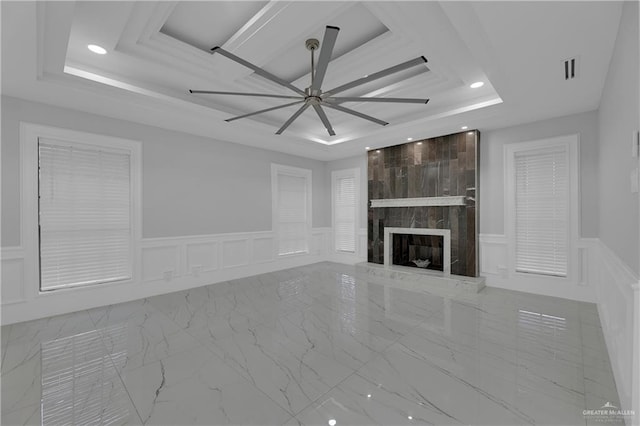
(345, 191)
(85, 192)
(291, 192)
(543, 205)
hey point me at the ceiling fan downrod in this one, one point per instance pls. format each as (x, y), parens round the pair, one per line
(312, 44)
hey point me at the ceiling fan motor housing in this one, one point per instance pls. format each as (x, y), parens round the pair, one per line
(312, 44)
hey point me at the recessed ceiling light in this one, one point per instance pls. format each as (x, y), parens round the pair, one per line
(332, 422)
(369, 395)
(477, 84)
(97, 49)
(409, 139)
(464, 127)
(410, 417)
(367, 148)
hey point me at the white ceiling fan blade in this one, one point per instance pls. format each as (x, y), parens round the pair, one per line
(393, 100)
(375, 76)
(263, 110)
(292, 118)
(257, 69)
(356, 113)
(265, 95)
(324, 119)
(326, 49)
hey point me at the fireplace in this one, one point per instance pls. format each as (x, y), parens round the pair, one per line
(418, 245)
(418, 251)
(431, 183)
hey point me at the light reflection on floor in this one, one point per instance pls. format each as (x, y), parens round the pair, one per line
(308, 346)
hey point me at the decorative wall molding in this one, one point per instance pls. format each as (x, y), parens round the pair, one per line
(618, 296)
(12, 265)
(163, 265)
(495, 265)
(419, 202)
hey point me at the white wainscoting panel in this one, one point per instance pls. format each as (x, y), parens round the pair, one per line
(363, 244)
(494, 266)
(320, 239)
(616, 293)
(202, 257)
(159, 261)
(493, 255)
(12, 275)
(235, 253)
(263, 249)
(163, 265)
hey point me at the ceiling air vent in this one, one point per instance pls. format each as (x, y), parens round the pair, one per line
(570, 68)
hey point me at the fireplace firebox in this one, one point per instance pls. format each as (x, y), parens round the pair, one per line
(419, 251)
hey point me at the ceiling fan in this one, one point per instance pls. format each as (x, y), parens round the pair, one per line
(313, 95)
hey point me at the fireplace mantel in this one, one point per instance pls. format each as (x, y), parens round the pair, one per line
(419, 202)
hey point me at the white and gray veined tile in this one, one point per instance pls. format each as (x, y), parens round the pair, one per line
(293, 375)
(338, 336)
(64, 375)
(136, 334)
(22, 355)
(196, 387)
(308, 345)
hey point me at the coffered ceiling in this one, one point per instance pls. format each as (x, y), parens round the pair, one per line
(158, 50)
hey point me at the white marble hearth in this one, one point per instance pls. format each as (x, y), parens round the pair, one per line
(423, 279)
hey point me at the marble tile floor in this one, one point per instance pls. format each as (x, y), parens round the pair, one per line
(315, 345)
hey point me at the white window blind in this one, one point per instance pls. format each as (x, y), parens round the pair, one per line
(541, 211)
(85, 214)
(345, 214)
(292, 214)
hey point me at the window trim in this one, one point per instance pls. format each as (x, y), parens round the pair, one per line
(30, 133)
(280, 169)
(339, 174)
(571, 143)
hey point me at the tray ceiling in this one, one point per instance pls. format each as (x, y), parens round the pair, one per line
(159, 50)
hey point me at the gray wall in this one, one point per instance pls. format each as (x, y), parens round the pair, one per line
(491, 168)
(191, 185)
(618, 118)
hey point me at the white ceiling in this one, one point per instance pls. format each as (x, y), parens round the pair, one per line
(160, 50)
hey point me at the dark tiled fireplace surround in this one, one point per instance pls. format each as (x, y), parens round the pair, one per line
(438, 167)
